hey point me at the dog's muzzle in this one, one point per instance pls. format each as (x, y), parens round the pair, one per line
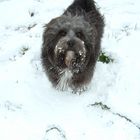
(70, 54)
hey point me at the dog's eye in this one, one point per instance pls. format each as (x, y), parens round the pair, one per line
(62, 33)
(79, 34)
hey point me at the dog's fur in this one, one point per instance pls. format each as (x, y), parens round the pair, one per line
(71, 45)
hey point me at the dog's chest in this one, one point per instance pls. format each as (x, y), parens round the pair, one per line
(64, 80)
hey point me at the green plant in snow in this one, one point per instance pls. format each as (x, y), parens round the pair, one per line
(105, 58)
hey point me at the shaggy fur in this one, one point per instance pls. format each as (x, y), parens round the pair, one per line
(71, 45)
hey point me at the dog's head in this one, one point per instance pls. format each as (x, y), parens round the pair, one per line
(69, 42)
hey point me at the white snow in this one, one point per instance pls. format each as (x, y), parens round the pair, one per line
(30, 109)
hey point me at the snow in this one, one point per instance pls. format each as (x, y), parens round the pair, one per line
(30, 109)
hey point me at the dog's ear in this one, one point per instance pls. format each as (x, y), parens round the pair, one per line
(97, 20)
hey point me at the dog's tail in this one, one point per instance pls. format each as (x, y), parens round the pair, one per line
(85, 5)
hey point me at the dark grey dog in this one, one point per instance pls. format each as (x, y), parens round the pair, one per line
(71, 46)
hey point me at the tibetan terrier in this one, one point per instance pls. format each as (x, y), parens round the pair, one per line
(71, 46)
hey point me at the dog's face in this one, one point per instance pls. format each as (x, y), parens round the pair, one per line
(72, 42)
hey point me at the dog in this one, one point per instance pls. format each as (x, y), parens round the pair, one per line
(71, 46)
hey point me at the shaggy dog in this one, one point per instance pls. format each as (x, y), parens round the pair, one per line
(71, 46)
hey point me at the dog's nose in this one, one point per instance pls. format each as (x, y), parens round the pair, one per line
(71, 43)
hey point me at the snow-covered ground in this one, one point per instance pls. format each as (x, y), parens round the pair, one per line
(30, 109)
